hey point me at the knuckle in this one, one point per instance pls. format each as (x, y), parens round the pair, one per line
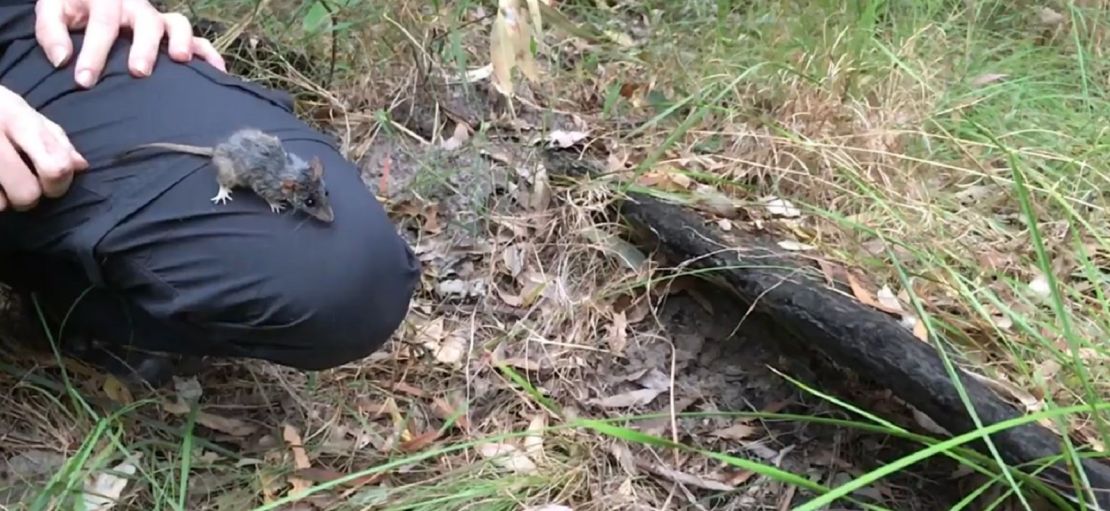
(178, 20)
(53, 171)
(44, 6)
(12, 107)
(24, 195)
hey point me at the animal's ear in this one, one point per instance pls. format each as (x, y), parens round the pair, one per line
(289, 185)
(317, 167)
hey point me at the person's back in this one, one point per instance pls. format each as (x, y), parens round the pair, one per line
(136, 248)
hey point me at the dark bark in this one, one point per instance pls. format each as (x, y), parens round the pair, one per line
(851, 334)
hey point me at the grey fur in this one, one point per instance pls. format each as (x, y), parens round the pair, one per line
(250, 158)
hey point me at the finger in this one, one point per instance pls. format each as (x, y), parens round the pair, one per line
(147, 30)
(204, 49)
(50, 154)
(100, 34)
(20, 187)
(180, 32)
(57, 185)
(51, 31)
(79, 161)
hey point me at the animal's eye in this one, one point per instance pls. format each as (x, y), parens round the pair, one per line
(310, 202)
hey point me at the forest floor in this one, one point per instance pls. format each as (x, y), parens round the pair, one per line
(951, 156)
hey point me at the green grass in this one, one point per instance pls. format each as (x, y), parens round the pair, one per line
(866, 114)
(908, 70)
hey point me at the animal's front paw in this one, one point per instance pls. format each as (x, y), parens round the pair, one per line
(275, 207)
(222, 196)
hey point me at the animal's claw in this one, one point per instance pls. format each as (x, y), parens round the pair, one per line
(222, 196)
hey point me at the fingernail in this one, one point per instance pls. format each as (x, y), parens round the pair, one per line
(85, 78)
(57, 55)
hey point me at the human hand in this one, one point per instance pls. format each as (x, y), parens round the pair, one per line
(102, 20)
(46, 145)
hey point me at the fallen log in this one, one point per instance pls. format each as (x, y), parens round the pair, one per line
(851, 334)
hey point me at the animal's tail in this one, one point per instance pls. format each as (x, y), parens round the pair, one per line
(181, 148)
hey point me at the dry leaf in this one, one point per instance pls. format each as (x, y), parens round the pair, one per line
(471, 75)
(888, 301)
(1050, 17)
(708, 199)
(446, 411)
(565, 139)
(522, 39)
(509, 299)
(739, 478)
(458, 138)
(619, 38)
(861, 293)
(627, 399)
(665, 179)
(293, 438)
(1027, 400)
(420, 441)
(502, 56)
(928, 423)
(176, 407)
(618, 333)
(513, 257)
(541, 190)
(1048, 369)
(686, 479)
(116, 391)
(781, 207)
(323, 475)
(462, 288)
(103, 491)
(446, 348)
(537, 22)
(1093, 438)
(533, 442)
(736, 432)
(431, 332)
(988, 78)
(1039, 286)
(795, 245)
(300, 458)
(919, 330)
(508, 457)
(233, 427)
(406, 388)
(631, 256)
(451, 350)
(510, 47)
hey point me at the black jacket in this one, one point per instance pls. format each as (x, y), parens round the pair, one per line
(17, 21)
